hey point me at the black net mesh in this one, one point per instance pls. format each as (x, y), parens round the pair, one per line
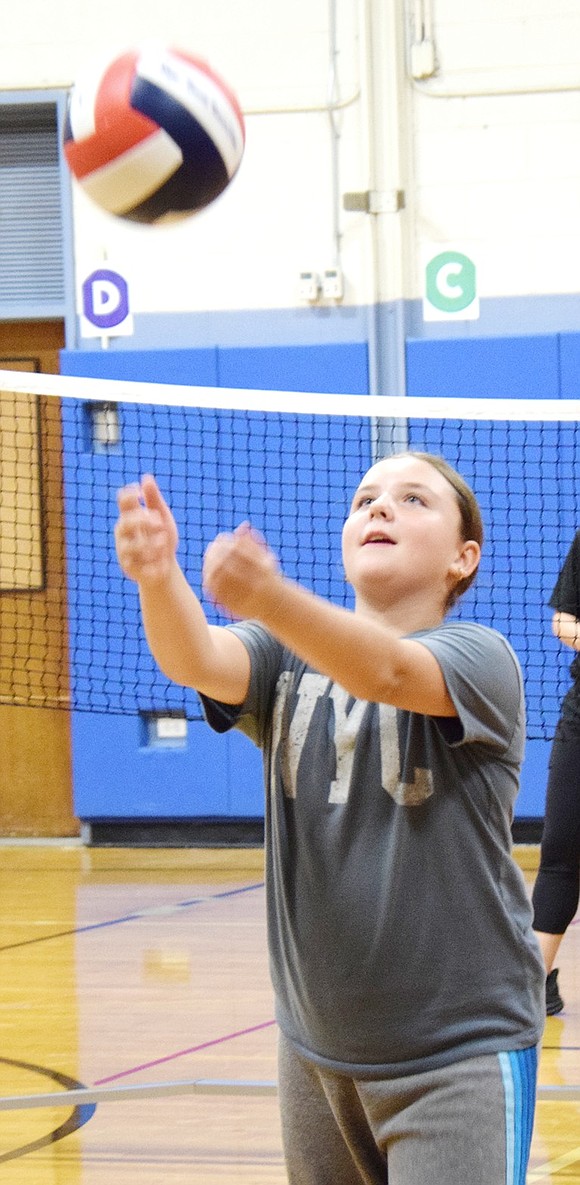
(70, 632)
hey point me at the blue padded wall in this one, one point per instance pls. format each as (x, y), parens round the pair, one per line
(340, 369)
(569, 344)
(484, 368)
(117, 776)
(197, 368)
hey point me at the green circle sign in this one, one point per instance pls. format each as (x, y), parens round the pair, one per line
(450, 282)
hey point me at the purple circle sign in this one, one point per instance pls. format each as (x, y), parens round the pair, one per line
(105, 298)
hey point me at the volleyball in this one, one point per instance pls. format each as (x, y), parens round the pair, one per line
(153, 135)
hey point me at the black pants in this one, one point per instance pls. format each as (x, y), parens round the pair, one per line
(557, 888)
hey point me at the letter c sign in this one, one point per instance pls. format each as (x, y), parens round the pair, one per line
(450, 287)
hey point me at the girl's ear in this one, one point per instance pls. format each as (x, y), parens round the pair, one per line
(468, 559)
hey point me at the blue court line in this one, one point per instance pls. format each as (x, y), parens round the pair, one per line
(140, 915)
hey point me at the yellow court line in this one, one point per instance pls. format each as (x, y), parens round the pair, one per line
(544, 1171)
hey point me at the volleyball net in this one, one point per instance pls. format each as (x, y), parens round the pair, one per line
(70, 630)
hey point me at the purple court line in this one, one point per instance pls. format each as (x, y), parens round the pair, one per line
(266, 1024)
(138, 916)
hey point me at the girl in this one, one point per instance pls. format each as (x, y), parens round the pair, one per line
(409, 985)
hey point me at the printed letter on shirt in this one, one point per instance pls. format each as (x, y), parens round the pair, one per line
(345, 734)
(289, 738)
(309, 691)
(404, 793)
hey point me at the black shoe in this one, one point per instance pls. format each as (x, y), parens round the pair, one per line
(554, 1001)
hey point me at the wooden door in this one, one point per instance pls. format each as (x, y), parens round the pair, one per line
(35, 748)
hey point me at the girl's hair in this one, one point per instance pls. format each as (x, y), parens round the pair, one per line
(471, 521)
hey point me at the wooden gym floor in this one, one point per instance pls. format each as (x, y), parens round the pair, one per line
(121, 967)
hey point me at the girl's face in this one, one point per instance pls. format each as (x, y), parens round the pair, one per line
(402, 539)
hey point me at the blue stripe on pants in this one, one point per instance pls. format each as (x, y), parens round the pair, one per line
(519, 1072)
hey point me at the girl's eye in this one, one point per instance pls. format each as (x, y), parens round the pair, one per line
(415, 498)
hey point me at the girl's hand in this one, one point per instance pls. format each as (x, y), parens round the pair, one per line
(146, 534)
(241, 573)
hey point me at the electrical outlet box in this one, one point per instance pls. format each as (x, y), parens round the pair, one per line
(332, 284)
(309, 286)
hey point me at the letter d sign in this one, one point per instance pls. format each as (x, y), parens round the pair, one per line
(105, 304)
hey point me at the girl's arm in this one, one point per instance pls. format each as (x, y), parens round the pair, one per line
(188, 650)
(367, 658)
(567, 629)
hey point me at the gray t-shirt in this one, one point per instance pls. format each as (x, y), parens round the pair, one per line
(399, 925)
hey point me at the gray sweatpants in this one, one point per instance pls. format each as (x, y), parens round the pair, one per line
(466, 1124)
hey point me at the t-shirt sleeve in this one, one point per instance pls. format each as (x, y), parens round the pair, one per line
(484, 680)
(566, 595)
(251, 716)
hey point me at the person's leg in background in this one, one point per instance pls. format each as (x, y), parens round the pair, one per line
(557, 888)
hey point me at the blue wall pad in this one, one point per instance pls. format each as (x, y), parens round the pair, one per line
(341, 369)
(196, 368)
(569, 365)
(531, 801)
(118, 777)
(480, 368)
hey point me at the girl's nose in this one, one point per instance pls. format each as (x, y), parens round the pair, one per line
(382, 505)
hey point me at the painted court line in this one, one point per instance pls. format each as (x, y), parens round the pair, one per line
(184, 1052)
(139, 915)
(544, 1171)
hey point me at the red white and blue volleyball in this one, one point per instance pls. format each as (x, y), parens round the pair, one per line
(153, 135)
